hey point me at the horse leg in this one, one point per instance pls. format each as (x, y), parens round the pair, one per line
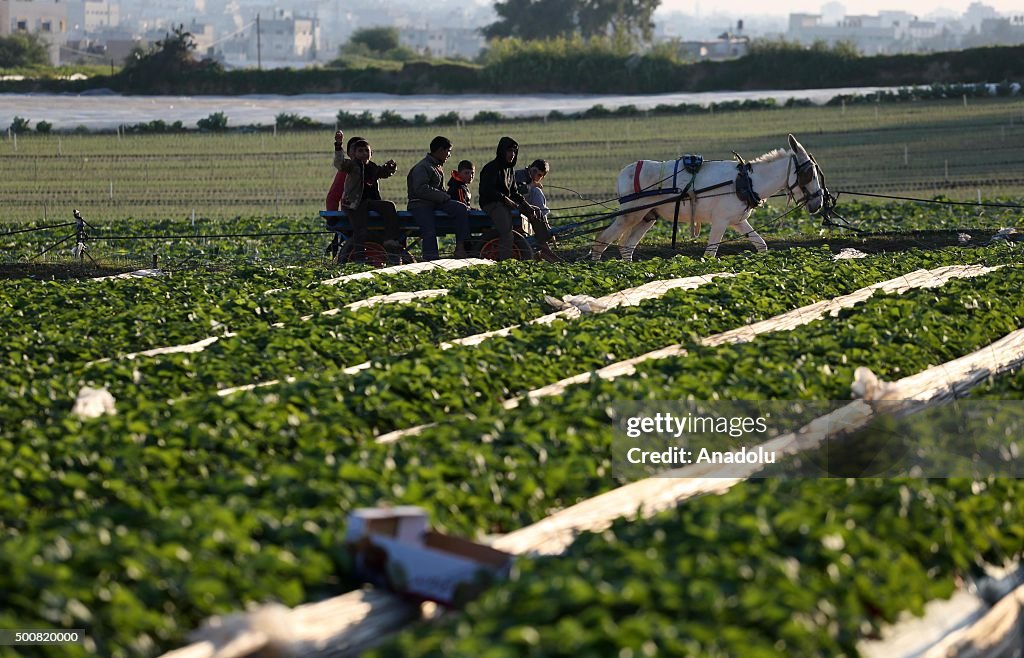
(746, 229)
(606, 238)
(611, 235)
(715, 238)
(628, 246)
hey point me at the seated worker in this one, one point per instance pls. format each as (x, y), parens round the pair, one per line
(427, 194)
(458, 184)
(530, 184)
(499, 195)
(357, 202)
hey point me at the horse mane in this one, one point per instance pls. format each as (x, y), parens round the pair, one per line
(770, 156)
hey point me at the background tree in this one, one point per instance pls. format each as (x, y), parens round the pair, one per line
(633, 17)
(376, 42)
(532, 20)
(171, 56)
(23, 50)
(376, 39)
(546, 19)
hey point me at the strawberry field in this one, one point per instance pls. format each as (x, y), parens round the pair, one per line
(259, 394)
(257, 405)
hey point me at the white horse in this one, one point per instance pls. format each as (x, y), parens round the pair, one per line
(717, 188)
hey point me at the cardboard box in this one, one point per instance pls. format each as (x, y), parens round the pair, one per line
(394, 548)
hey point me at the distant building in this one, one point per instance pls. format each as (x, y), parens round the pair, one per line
(203, 37)
(726, 46)
(46, 18)
(286, 37)
(453, 42)
(870, 34)
(119, 48)
(978, 12)
(832, 12)
(998, 31)
(901, 32)
(918, 31)
(91, 16)
(282, 40)
(898, 20)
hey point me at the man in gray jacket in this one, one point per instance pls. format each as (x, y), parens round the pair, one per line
(427, 194)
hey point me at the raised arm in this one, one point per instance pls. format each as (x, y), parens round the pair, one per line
(341, 160)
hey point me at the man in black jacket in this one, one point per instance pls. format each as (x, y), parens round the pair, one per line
(499, 196)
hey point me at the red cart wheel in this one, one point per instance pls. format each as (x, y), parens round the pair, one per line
(375, 254)
(521, 249)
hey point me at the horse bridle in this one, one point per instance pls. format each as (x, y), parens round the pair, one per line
(804, 174)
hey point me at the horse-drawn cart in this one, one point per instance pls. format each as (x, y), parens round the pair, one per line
(483, 241)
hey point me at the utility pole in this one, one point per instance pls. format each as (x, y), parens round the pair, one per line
(259, 53)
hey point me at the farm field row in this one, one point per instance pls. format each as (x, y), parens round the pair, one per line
(54, 362)
(258, 243)
(186, 503)
(889, 149)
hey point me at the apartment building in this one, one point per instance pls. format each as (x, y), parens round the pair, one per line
(47, 18)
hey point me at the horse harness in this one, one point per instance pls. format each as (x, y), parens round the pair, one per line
(804, 175)
(691, 164)
(745, 184)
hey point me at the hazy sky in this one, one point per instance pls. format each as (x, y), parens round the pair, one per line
(754, 7)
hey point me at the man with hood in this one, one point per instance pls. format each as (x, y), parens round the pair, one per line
(499, 195)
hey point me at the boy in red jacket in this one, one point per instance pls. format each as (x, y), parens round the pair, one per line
(458, 184)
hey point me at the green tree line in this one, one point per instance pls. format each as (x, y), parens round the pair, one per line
(605, 64)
